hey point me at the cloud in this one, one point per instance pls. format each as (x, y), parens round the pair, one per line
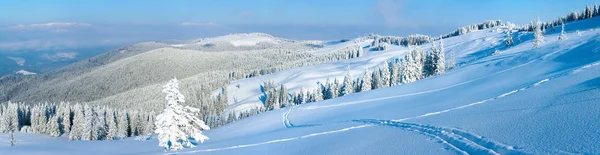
(198, 24)
(390, 12)
(60, 56)
(48, 25)
(38, 44)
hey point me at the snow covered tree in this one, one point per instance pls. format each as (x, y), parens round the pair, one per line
(10, 118)
(451, 63)
(318, 95)
(394, 73)
(439, 64)
(52, 127)
(509, 39)
(413, 68)
(366, 81)
(149, 127)
(122, 125)
(539, 34)
(563, 35)
(385, 75)
(65, 117)
(178, 123)
(111, 124)
(376, 81)
(347, 86)
(222, 101)
(78, 123)
(94, 128)
(578, 33)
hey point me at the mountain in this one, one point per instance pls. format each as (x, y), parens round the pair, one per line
(117, 78)
(500, 99)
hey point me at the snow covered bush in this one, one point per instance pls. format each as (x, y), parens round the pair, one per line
(178, 124)
(563, 35)
(539, 34)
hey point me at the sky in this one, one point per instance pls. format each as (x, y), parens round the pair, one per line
(33, 25)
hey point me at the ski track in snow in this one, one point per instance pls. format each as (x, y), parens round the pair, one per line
(274, 141)
(462, 142)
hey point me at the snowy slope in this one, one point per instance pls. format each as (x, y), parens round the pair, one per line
(519, 101)
(242, 39)
(24, 72)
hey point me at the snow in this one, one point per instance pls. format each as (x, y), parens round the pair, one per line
(24, 72)
(243, 39)
(523, 100)
(178, 45)
(19, 61)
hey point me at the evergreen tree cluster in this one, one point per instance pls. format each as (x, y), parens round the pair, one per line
(77, 121)
(590, 11)
(383, 42)
(414, 66)
(474, 27)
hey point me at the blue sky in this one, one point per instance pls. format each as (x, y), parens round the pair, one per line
(51, 25)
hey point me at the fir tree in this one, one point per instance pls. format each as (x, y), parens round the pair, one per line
(563, 35)
(52, 127)
(178, 123)
(347, 86)
(539, 35)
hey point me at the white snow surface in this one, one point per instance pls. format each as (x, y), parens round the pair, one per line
(522, 100)
(24, 72)
(243, 39)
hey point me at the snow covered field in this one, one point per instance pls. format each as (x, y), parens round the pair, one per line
(520, 100)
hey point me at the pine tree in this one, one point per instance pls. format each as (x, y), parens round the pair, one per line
(509, 39)
(413, 69)
(366, 81)
(283, 96)
(222, 101)
(385, 75)
(394, 73)
(178, 123)
(122, 125)
(451, 61)
(439, 60)
(149, 127)
(376, 83)
(539, 35)
(52, 127)
(65, 118)
(133, 123)
(347, 86)
(111, 124)
(78, 126)
(318, 95)
(563, 35)
(428, 66)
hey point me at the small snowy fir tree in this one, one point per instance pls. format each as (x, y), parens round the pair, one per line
(178, 123)
(563, 35)
(539, 34)
(366, 81)
(451, 61)
(578, 33)
(509, 39)
(347, 85)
